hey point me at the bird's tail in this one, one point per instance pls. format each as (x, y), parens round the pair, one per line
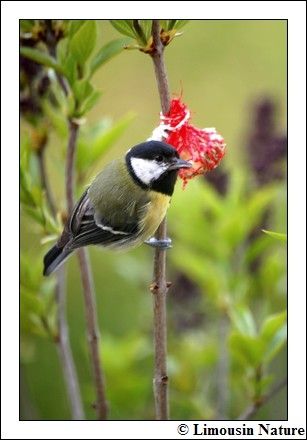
(54, 258)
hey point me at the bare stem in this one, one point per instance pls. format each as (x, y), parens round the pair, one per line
(62, 340)
(44, 180)
(70, 164)
(160, 69)
(64, 350)
(160, 287)
(101, 405)
(253, 408)
(51, 43)
(87, 282)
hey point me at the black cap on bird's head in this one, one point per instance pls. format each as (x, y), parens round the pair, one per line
(154, 165)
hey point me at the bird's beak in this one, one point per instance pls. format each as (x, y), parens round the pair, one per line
(176, 164)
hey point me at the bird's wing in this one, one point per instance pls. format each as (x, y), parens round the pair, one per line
(86, 227)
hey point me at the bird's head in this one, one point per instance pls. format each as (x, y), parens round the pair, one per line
(154, 165)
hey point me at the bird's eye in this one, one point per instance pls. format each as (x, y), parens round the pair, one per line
(159, 158)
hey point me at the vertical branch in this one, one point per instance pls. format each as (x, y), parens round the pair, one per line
(160, 69)
(51, 43)
(93, 333)
(159, 282)
(87, 283)
(44, 179)
(64, 350)
(70, 164)
(62, 340)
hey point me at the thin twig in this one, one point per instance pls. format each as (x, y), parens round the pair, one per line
(160, 286)
(62, 340)
(93, 333)
(253, 408)
(70, 164)
(87, 282)
(44, 180)
(69, 369)
(51, 44)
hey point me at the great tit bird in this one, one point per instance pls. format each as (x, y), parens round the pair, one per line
(124, 205)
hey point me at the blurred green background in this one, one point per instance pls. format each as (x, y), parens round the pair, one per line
(228, 277)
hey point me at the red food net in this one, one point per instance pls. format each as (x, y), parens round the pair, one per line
(203, 147)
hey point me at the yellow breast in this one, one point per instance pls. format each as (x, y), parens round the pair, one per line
(155, 212)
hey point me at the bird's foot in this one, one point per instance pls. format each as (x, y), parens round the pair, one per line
(161, 244)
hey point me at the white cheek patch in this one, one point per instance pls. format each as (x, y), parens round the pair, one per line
(147, 170)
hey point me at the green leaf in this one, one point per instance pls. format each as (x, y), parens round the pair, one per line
(171, 24)
(83, 41)
(273, 335)
(70, 69)
(62, 51)
(168, 25)
(275, 344)
(164, 24)
(90, 101)
(82, 89)
(272, 325)
(243, 320)
(277, 235)
(147, 28)
(71, 105)
(180, 23)
(74, 26)
(125, 27)
(107, 52)
(85, 96)
(248, 349)
(40, 58)
(139, 32)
